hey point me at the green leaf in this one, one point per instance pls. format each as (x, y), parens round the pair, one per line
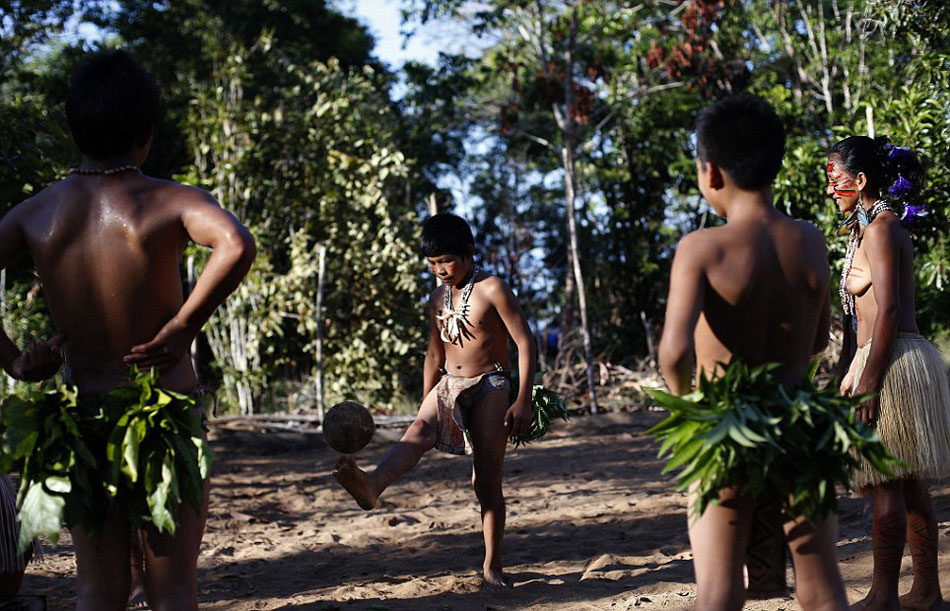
(41, 513)
(134, 435)
(58, 484)
(684, 454)
(158, 501)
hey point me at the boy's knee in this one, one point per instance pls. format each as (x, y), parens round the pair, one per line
(817, 598)
(421, 432)
(182, 602)
(101, 596)
(487, 490)
(173, 592)
(720, 597)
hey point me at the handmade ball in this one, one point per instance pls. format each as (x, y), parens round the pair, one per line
(348, 427)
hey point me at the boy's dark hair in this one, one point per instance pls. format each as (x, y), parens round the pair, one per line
(742, 135)
(894, 172)
(112, 104)
(446, 234)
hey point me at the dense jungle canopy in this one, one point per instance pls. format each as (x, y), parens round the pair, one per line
(571, 127)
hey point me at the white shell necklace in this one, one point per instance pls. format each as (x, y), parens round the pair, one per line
(454, 321)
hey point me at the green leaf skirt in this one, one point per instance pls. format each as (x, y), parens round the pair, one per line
(792, 443)
(140, 448)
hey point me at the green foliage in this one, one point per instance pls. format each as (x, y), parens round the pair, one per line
(791, 443)
(546, 406)
(299, 136)
(143, 447)
(312, 163)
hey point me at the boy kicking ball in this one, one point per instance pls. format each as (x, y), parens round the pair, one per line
(466, 383)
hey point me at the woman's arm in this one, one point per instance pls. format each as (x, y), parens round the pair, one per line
(883, 255)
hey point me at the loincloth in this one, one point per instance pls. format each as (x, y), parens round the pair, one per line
(456, 395)
(913, 416)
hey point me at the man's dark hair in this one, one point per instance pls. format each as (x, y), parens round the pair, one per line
(446, 234)
(112, 104)
(742, 135)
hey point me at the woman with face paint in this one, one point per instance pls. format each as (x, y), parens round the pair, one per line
(874, 185)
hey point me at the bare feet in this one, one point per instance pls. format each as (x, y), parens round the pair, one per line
(137, 598)
(876, 602)
(356, 481)
(494, 579)
(912, 601)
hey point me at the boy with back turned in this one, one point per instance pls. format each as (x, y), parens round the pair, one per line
(753, 290)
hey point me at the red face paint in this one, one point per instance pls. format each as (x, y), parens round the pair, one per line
(842, 184)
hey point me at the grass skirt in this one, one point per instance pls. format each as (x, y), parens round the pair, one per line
(11, 560)
(913, 418)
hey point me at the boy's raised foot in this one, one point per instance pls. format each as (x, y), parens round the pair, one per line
(494, 579)
(356, 482)
(876, 602)
(913, 601)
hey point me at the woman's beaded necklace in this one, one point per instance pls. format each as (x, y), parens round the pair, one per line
(453, 321)
(854, 240)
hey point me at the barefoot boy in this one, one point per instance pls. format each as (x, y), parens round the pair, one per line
(465, 383)
(756, 290)
(106, 242)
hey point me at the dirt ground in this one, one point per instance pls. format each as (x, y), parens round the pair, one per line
(591, 525)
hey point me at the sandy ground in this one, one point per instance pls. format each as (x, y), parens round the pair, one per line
(591, 525)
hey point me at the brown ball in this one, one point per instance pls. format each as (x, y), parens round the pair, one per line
(348, 427)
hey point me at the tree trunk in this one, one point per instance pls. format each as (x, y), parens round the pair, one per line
(6, 382)
(569, 195)
(321, 270)
(569, 134)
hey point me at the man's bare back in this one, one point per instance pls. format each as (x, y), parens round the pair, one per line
(107, 249)
(765, 293)
(107, 243)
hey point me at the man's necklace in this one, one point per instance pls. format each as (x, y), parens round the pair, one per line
(107, 171)
(854, 239)
(453, 321)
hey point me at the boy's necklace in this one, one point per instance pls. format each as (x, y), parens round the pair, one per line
(453, 321)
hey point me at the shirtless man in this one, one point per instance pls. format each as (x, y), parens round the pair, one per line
(465, 385)
(754, 289)
(107, 242)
